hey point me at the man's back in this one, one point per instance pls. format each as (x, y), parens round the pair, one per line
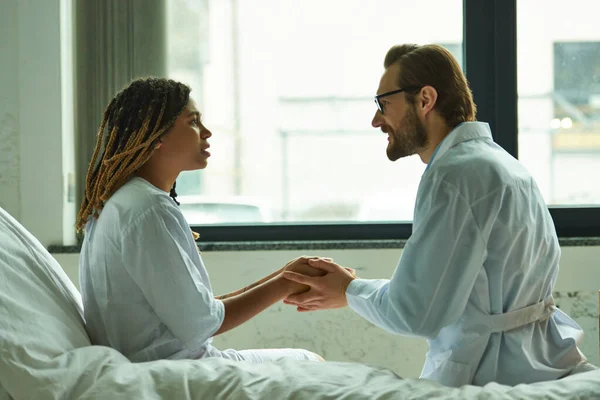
(523, 252)
(475, 277)
(520, 258)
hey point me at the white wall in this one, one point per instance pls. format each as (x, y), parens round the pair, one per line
(36, 146)
(341, 335)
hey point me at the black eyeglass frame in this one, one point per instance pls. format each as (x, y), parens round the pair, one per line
(379, 96)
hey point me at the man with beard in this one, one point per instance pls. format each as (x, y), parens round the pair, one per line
(476, 276)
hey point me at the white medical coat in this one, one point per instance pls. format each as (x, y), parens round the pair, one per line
(476, 276)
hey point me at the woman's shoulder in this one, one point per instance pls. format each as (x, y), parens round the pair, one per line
(135, 199)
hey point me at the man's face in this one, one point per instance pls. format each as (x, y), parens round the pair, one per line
(406, 133)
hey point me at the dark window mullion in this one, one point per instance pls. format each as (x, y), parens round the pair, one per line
(304, 232)
(490, 54)
(578, 221)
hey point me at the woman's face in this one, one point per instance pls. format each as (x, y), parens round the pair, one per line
(185, 144)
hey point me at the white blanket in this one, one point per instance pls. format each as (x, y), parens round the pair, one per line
(46, 354)
(102, 373)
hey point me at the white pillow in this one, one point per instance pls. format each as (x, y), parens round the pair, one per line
(41, 314)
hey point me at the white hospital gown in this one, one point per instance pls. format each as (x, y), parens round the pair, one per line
(483, 245)
(145, 289)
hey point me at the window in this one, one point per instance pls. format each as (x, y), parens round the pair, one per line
(559, 98)
(287, 89)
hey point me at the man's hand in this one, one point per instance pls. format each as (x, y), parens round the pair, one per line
(300, 266)
(327, 291)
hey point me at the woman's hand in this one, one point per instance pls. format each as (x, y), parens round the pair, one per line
(291, 288)
(300, 266)
(327, 289)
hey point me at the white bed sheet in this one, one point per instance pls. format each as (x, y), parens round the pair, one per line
(102, 373)
(46, 354)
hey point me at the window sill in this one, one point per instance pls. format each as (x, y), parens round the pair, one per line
(322, 245)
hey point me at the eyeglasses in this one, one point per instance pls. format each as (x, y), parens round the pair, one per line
(379, 96)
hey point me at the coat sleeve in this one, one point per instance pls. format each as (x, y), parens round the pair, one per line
(436, 273)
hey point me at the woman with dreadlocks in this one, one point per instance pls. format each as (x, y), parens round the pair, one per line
(145, 289)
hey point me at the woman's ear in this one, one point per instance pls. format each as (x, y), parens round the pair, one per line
(159, 144)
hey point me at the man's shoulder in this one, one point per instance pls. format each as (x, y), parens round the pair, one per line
(478, 169)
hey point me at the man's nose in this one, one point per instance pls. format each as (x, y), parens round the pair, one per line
(206, 134)
(377, 120)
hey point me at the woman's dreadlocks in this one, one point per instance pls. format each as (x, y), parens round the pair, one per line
(134, 121)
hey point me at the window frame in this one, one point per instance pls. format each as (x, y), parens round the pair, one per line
(489, 49)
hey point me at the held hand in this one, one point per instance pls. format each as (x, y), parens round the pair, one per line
(300, 265)
(327, 291)
(292, 287)
(303, 260)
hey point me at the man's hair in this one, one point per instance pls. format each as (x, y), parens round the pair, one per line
(433, 65)
(134, 122)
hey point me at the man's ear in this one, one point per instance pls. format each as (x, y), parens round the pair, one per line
(427, 99)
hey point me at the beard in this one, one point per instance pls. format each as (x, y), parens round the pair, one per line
(408, 139)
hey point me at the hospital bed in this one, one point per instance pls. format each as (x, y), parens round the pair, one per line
(46, 354)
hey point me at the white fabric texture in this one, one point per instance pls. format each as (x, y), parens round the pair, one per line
(4, 395)
(40, 315)
(476, 276)
(45, 354)
(146, 292)
(258, 356)
(145, 289)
